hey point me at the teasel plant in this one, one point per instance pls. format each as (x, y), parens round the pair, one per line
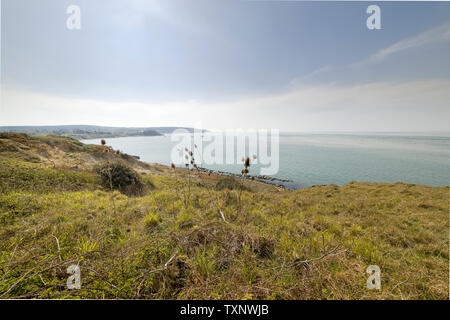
(246, 162)
(204, 184)
(190, 161)
(179, 187)
(108, 172)
(185, 189)
(245, 171)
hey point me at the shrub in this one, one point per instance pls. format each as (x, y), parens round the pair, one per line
(119, 176)
(230, 183)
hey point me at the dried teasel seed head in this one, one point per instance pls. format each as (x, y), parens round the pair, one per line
(173, 166)
(247, 162)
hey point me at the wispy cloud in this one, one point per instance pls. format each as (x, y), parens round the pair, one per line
(439, 34)
(358, 71)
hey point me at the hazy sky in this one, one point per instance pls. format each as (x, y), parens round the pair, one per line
(296, 66)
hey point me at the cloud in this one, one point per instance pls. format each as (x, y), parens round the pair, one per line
(382, 65)
(439, 34)
(380, 106)
(313, 102)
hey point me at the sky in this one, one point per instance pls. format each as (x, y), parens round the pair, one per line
(288, 65)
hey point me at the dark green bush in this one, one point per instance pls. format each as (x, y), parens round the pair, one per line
(119, 176)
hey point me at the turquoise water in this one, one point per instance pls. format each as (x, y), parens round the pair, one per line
(330, 158)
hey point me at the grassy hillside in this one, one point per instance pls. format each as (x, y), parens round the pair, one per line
(193, 236)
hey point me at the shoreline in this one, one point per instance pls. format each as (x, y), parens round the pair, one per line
(278, 182)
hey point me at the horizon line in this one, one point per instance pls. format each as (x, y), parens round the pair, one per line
(234, 129)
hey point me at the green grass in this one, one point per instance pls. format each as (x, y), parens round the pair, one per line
(22, 176)
(156, 247)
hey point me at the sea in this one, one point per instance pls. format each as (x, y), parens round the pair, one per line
(307, 159)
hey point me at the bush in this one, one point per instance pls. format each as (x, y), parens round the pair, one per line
(230, 183)
(119, 176)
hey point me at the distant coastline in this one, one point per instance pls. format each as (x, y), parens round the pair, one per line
(85, 132)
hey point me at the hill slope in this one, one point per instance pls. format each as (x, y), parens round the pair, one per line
(186, 239)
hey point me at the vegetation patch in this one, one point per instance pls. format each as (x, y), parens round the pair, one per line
(24, 176)
(231, 183)
(187, 239)
(119, 176)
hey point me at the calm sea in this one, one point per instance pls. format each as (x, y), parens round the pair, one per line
(313, 159)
